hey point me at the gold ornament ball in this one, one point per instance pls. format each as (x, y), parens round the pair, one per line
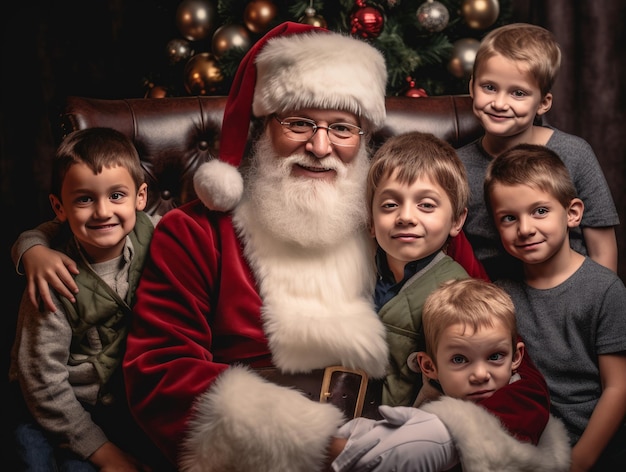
(463, 55)
(195, 19)
(480, 14)
(157, 91)
(313, 19)
(178, 50)
(258, 15)
(202, 74)
(228, 37)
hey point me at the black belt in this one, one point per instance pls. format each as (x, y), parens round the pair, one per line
(350, 390)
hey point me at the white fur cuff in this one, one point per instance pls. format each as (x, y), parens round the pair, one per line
(484, 444)
(245, 423)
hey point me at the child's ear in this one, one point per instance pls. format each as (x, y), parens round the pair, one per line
(427, 366)
(457, 225)
(575, 212)
(471, 86)
(518, 355)
(142, 197)
(545, 104)
(57, 206)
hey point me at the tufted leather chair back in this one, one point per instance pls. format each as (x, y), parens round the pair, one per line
(175, 135)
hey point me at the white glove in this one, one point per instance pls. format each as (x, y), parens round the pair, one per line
(407, 439)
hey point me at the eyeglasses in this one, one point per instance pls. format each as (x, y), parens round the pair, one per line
(303, 129)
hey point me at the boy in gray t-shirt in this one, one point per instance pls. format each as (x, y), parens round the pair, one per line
(514, 70)
(570, 309)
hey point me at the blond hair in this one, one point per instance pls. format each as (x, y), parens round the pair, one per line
(531, 45)
(472, 303)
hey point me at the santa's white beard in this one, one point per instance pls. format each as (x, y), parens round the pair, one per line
(307, 212)
(306, 242)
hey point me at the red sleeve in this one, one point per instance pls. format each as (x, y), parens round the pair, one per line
(460, 249)
(523, 406)
(186, 326)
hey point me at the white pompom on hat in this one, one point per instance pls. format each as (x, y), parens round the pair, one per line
(293, 66)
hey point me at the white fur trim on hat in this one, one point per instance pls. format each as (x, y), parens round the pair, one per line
(219, 185)
(245, 423)
(330, 71)
(292, 67)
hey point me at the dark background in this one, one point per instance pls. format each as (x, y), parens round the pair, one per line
(105, 48)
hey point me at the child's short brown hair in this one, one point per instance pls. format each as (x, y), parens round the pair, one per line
(533, 165)
(97, 148)
(412, 155)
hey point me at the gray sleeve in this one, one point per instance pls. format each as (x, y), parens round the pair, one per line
(589, 179)
(610, 337)
(43, 235)
(41, 356)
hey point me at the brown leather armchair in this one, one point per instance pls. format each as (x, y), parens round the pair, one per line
(175, 135)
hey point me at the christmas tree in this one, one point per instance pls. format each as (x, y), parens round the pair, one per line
(428, 45)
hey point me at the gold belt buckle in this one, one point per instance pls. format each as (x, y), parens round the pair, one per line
(335, 380)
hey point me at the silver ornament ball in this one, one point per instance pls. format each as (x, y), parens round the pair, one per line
(463, 56)
(433, 16)
(178, 50)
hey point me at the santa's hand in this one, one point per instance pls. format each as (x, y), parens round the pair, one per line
(407, 439)
(354, 449)
(356, 428)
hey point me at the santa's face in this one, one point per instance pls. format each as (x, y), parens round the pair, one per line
(322, 144)
(308, 193)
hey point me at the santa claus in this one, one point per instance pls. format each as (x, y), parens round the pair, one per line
(272, 288)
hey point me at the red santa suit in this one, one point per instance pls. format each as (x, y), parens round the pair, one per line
(206, 315)
(198, 326)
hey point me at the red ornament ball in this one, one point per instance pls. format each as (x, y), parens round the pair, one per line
(413, 91)
(367, 22)
(416, 93)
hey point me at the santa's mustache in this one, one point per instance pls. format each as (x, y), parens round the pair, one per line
(306, 212)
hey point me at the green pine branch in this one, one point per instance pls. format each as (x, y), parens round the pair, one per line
(409, 50)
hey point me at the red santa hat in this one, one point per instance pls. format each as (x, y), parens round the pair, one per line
(293, 66)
